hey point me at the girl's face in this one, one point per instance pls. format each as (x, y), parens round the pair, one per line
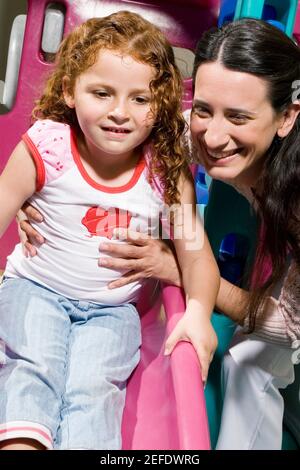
(112, 104)
(232, 124)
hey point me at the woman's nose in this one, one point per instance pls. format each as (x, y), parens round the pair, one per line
(216, 135)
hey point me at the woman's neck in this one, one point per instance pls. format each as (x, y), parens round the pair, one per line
(247, 183)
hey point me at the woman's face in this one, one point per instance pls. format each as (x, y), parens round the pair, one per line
(232, 124)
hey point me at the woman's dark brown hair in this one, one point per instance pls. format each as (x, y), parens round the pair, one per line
(255, 47)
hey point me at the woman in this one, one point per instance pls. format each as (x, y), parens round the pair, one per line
(245, 128)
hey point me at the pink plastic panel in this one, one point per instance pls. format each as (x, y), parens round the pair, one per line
(297, 26)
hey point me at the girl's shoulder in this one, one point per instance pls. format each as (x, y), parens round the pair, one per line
(50, 145)
(44, 128)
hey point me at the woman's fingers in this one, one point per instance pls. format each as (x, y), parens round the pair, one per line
(119, 263)
(31, 213)
(29, 250)
(23, 239)
(124, 251)
(126, 279)
(137, 238)
(141, 253)
(28, 235)
(31, 234)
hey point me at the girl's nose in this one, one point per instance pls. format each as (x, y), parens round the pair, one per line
(119, 111)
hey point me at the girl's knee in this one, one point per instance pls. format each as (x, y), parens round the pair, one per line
(21, 444)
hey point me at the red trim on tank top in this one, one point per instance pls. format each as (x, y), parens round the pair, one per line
(39, 163)
(107, 189)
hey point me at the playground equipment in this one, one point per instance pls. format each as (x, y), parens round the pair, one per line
(276, 12)
(297, 26)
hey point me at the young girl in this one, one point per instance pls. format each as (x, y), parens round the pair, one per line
(104, 153)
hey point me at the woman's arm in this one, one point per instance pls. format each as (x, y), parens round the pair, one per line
(278, 320)
(17, 184)
(232, 301)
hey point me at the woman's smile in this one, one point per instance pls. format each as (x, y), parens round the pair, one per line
(220, 159)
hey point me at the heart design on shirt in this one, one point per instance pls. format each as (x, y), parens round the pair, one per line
(102, 222)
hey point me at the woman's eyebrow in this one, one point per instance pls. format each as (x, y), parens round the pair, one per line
(241, 111)
(203, 104)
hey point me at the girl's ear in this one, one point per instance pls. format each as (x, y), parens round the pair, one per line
(288, 119)
(69, 99)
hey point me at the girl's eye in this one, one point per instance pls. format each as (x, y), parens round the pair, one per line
(101, 94)
(141, 100)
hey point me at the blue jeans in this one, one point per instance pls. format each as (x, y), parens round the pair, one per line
(64, 368)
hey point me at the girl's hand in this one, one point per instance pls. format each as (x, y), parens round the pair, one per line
(142, 256)
(195, 326)
(28, 235)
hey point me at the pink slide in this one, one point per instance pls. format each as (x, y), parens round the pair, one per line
(165, 405)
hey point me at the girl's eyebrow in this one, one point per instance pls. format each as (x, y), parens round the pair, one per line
(140, 91)
(101, 85)
(112, 89)
(202, 104)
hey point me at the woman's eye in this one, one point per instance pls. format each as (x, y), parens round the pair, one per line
(202, 113)
(238, 118)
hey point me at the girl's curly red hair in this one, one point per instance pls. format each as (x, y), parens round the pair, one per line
(129, 34)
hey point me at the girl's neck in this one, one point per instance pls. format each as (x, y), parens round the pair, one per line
(107, 167)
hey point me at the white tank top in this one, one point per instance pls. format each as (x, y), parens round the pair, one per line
(79, 214)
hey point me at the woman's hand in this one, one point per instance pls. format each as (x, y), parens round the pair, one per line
(142, 256)
(195, 327)
(29, 237)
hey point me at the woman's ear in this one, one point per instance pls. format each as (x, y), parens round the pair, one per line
(288, 119)
(68, 97)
